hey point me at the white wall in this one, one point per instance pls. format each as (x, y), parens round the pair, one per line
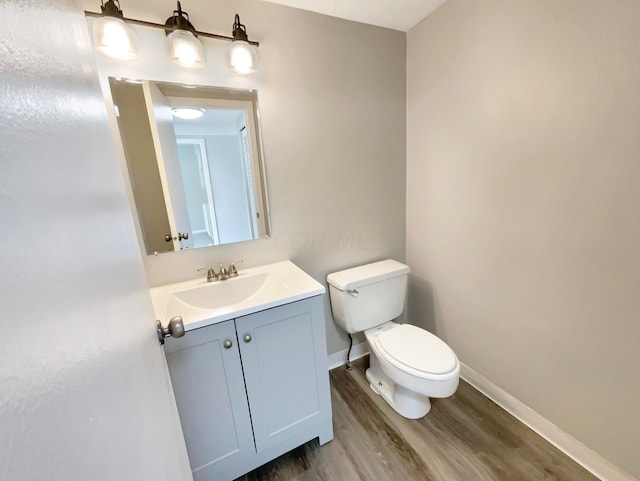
(84, 392)
(332, 100)
(523, 230)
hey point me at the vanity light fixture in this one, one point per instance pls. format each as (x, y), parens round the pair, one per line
(184, 47)
(111, 35)
(243, 56)
(187, 113)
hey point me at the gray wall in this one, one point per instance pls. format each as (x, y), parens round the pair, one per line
(522, 204)
(332, 100)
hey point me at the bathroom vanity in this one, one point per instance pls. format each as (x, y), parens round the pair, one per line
(250, 376)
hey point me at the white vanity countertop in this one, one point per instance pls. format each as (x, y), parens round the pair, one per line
(201, 303)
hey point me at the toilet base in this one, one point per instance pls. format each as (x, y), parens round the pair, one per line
(407, 403)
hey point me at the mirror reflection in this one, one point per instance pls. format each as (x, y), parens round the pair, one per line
(195, 163)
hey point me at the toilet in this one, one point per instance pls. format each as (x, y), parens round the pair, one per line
(408, 365)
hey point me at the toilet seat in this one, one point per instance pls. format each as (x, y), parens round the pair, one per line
(416, 352)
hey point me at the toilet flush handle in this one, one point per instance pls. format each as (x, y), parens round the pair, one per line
(353, 292)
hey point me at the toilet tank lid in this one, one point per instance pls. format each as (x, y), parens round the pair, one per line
(367, 274)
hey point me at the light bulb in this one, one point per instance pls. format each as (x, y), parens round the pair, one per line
(242, 57)
(114, 38)
(185, 49)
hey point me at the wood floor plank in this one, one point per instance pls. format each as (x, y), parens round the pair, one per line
(446, 455)
(466, 437)
(381, 452)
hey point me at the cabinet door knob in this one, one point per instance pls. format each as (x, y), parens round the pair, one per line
(247, 338)
(227, 344)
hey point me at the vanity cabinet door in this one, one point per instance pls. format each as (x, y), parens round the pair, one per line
(285, 368)
(207, 381)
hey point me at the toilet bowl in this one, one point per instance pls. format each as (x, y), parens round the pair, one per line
(408, 365)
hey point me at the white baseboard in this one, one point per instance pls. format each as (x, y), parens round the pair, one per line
(581, 454)
(339, 358)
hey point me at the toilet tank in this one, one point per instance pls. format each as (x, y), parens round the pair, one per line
(367, 296)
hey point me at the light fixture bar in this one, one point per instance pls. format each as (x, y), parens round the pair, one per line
(144, 23)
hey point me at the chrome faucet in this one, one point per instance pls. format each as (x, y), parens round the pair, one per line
(223, 273)
(233, 270)
(211, 273)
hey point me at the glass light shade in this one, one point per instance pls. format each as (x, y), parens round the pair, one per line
(114, 38)
(185, 49)
(243, 57)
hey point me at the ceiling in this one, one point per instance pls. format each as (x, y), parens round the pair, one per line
(396, 14)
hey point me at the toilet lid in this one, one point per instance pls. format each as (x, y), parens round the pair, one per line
(418, 349)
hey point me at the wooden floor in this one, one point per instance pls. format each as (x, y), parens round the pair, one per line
(464, 438)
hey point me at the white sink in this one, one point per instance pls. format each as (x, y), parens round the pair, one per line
(201, 303)
(223, 293)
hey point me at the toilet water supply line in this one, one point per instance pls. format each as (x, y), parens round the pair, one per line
(348, 366)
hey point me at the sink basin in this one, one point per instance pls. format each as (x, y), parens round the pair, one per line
(202, 303)
(218, 294)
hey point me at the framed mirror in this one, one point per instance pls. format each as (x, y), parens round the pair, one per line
(195, 162)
